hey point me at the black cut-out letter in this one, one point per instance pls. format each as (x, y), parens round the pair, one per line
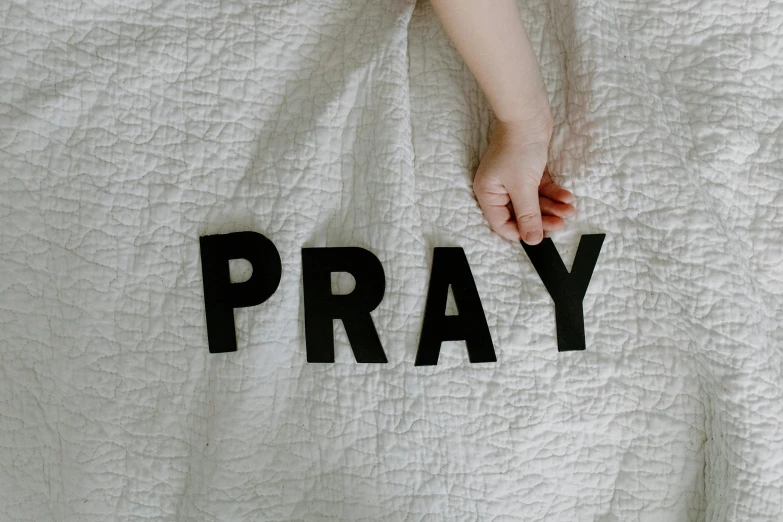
(322, 307)
(450, 267)
(221, 296)
(567, 289)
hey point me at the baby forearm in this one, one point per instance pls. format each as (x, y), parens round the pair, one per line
(492, 40)
(517, 196)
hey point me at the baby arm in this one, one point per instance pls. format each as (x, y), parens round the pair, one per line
(517, 196)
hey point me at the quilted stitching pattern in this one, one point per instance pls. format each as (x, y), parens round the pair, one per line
(126, 132)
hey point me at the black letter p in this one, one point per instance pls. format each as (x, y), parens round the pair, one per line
(221, 296)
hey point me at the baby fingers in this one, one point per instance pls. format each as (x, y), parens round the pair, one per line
(550, 207)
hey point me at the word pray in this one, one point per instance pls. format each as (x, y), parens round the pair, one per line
(321, 307)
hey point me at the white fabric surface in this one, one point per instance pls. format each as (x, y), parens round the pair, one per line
(129, 129)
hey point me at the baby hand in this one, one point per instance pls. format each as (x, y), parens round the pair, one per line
(516, 194)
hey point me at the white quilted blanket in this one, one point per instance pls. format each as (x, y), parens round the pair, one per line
(129, 129)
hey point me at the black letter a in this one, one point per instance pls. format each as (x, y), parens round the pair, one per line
(221, 296)
(450, 267)
(567, 290)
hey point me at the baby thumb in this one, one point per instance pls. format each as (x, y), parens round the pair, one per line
(524, 199)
